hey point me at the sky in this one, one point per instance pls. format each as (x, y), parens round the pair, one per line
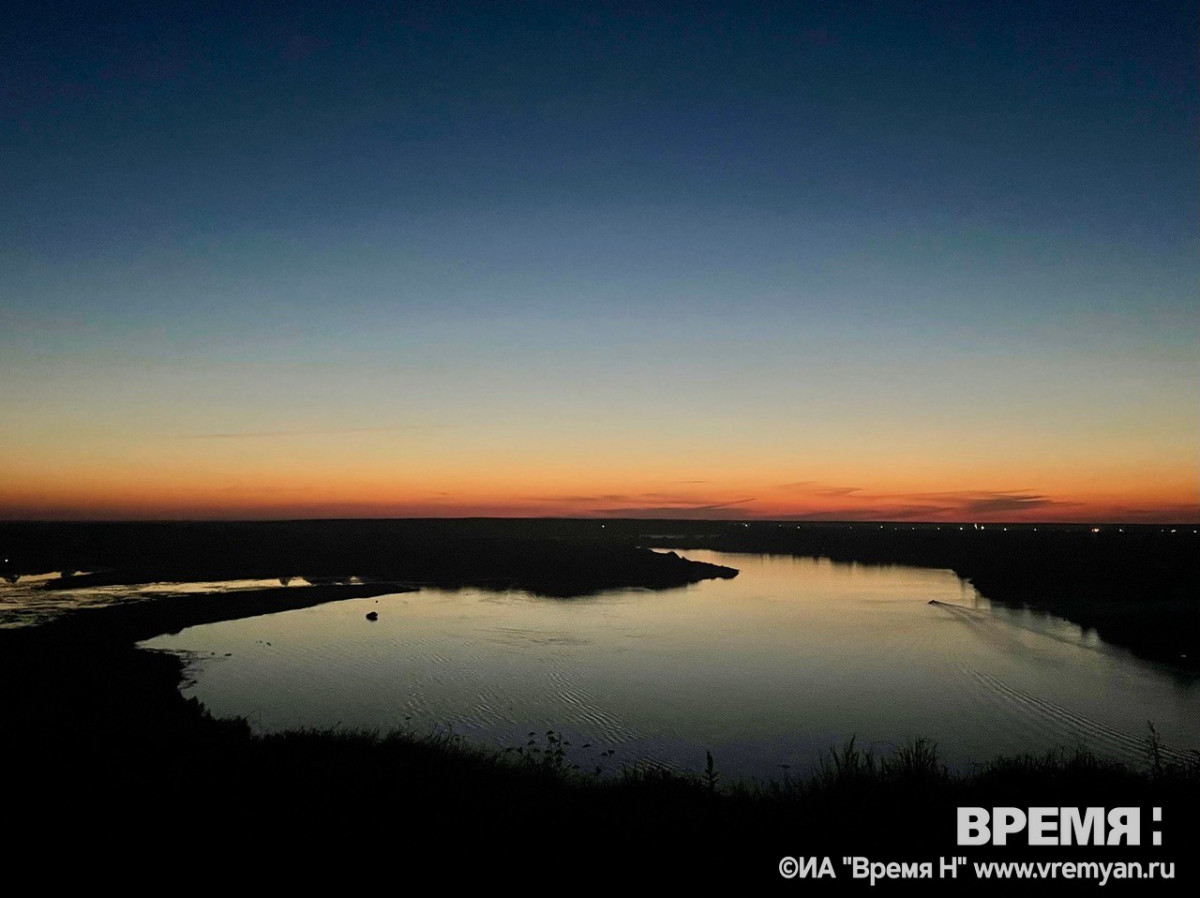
(895, 261)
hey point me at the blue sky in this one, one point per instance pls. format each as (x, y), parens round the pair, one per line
(550, 229)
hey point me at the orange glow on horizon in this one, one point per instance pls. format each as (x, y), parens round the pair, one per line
(156, 498)
(448, 473)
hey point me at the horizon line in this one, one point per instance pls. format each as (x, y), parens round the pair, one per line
(899, 523)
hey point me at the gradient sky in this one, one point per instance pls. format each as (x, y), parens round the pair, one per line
(910, 261)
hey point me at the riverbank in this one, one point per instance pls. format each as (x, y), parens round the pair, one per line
(77, 687)
(109, 764)
(561, 562)
(188, 793)
(1137, 586)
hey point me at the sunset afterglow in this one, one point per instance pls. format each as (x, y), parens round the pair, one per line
(844, 269)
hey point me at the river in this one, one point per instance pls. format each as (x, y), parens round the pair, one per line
(767, 671)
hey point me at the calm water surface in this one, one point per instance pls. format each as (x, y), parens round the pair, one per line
(767, 671)
(26, 603)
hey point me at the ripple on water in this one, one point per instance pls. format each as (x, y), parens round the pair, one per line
(775, 667)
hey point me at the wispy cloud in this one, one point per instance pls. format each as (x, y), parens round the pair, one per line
(585, 499)
(820, 501)
(644, 498)
(984, 504)
(258, 490)
(956, 504)
(284, 434)
(716, 509)
(876, 512)
(818, 488)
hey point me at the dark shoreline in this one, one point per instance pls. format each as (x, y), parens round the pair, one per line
(98, 726)
(1138, 586)
(80, 679)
